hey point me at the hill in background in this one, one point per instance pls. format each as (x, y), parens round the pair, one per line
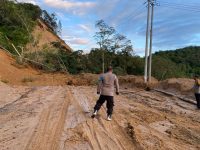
(184, 62)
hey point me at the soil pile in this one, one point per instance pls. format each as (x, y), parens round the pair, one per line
(178, 85)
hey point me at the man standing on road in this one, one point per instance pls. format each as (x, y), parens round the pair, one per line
(106, 87)
(197, 90)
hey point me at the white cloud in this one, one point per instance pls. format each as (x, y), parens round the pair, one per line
(28, 1)
(72, 40)
(62, 16)
(79, 41)
(85, 28)
(67, 38)
(75, 7)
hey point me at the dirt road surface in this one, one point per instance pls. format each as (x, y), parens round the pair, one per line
(58, 118)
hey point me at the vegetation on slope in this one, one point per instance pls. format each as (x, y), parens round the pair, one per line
(17, 21)
(184, 62)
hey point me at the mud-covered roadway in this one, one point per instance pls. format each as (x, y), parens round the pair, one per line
(58, 118)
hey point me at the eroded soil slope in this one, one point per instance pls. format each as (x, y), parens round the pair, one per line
(58, 117)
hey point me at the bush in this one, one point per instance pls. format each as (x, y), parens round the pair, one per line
(47, 60)
(119, 71)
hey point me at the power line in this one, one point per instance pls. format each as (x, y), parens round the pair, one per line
(180, 6)
(133, 15)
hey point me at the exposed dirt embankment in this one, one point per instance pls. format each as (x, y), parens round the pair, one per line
(126, 82)
(131, 81)
(43, 38)
(15, 74)
(178, 85)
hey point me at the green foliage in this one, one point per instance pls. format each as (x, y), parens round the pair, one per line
(186, 60)
(119, 71)
(109, 40)
(163, 68)
(51, 21)
(16, 23)
(33, 12)
(48, 58)
(75, 62)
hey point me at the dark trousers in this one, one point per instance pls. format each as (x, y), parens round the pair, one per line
(109, 104)
(198, 100)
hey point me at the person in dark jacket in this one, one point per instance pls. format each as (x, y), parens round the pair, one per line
(106, 87)
(197, 90)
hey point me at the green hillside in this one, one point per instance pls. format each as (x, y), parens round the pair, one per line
(17, 21)
(184, 62)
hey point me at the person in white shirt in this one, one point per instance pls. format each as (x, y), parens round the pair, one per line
(106, 88)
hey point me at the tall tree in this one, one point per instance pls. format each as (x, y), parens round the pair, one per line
(111, 42)
(104, 36)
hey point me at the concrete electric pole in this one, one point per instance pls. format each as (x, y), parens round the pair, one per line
(151, 39)
(148, 49)
(147, 44)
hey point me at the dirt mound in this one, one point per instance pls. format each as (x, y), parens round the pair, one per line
(178, 85)
(43, 38)
(86, 79)
(131, 81)
(15, 74)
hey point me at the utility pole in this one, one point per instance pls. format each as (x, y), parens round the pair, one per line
(148, 49)
(151, 39)
(147, 44)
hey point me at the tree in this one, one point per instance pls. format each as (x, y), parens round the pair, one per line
(50, 20)
(110, 42)
(105, 35)
(163, 68)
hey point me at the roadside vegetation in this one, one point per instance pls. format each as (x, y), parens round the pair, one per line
(17, 21)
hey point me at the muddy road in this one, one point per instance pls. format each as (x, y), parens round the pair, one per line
(58, 118)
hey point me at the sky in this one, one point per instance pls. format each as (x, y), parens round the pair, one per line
(176, 22)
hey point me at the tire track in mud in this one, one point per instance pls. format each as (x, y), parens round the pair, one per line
(46, 134)
(73, 136)
(93, 135)
(121, 139)
(62, 122)
(177, 114)
(9, 106)
(103, 134)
